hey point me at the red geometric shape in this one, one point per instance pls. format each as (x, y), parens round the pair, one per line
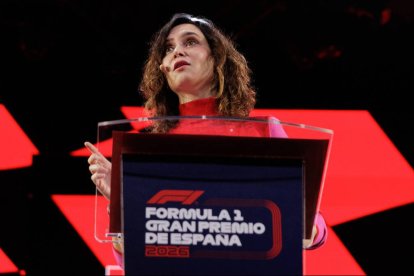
(6, 265)
(79, 211)
(16, 148)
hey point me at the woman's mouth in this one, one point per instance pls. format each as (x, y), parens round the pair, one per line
(180, 64)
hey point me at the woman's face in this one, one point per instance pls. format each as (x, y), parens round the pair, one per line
(187, 63)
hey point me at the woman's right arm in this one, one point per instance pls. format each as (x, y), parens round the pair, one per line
(100, 169)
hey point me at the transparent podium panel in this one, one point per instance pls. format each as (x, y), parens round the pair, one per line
(254, 127)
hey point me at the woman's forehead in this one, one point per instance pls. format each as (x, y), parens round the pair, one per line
(184, 30)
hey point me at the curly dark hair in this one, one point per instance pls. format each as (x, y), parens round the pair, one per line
(235, 95)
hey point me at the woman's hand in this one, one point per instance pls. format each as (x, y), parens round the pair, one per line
(100, 169)
(307, 243)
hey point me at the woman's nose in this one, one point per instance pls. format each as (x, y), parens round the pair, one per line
(178, 51)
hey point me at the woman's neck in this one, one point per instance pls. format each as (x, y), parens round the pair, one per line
(184, 97)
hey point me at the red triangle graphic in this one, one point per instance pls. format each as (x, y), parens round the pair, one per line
(16, 148)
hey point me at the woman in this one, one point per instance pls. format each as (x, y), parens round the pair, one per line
(193, 69)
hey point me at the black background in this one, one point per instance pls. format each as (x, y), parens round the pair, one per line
(68, 64)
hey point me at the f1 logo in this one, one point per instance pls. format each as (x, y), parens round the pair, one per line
(186, 197)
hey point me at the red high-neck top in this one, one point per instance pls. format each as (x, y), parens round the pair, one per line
(208, 107)
(200, 107)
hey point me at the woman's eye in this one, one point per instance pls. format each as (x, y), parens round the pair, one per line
(191, 42)
(169, 49)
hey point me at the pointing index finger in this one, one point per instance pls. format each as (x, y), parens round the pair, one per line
(91, 148)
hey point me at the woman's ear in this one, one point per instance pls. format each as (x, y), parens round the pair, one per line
(162, 68)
